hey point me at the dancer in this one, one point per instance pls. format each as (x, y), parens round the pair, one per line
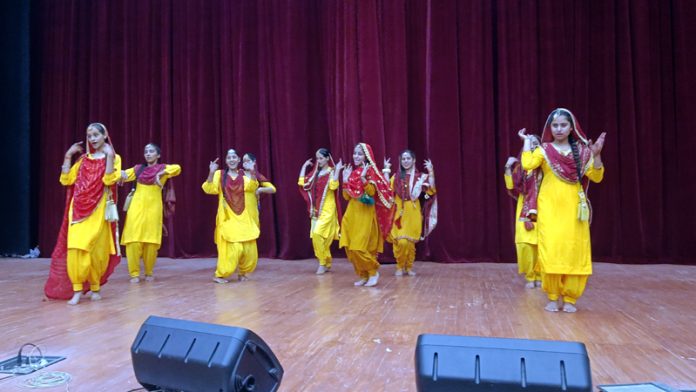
(523, 187)
(142, 234)
(413, 220)
(568, 160)
(368, 218)
(87, 248)
(319, 191)
(237, 220)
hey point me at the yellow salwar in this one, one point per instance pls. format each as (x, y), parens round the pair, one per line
(360, 235)
(142, 234)
(565, 254)
(525, 242)
(90, 242)
(324, 229)
(235, 235)
(404, 239)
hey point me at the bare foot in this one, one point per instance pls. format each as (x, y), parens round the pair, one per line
(242, 278)
(372, 281)
(569, 308)
(135, 280)
(399, 272)
(96, 297)
(529, 285)
(537, 283)
(411, 273)
(75, 298)
(321, 270)
(149, 278)
(361, 282)
(552, 306)
(220, 280)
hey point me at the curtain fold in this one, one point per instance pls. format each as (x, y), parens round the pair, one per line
(451, 80)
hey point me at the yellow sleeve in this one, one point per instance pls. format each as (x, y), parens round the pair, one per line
(532, 160)
(267, 184)
(171, 171)
(508, 182)
(595, 175)
(333, 184)
(391, 183)
(300, 181)
(113, 177)
(130, 175)
(212, 188)
(70, 177)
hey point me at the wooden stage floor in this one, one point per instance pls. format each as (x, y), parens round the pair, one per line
(638, 322)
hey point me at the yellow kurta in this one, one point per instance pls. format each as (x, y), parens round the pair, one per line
(359, 227)
(522, 235)
(144, 217)
(411, 217)
(326, 225)
(83, 235)
(564, 240)
(229, 226)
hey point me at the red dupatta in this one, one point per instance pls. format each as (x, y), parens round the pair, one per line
(233, 191)
(384, 196)
(84, 198)
(526, 185)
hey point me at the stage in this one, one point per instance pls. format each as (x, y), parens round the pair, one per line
(638, 321)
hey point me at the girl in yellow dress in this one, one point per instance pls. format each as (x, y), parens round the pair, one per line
(142, 234)
(87, 247)
(523, 187)
(237, 219)
(568, 161)
(319, 191)
(368, 218)
(413, 221)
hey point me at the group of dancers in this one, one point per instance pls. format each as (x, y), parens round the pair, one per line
(549, 181)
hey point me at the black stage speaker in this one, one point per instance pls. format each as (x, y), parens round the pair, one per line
(179, 355)
(466, 363)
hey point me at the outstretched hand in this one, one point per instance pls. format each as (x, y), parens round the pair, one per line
(339, 165)
(428, 166)
(597, 146)
(387, 163)
(108, 150)
(307, 163)
(214, 165)
(346, 172)
(522, 133)
(76, 148)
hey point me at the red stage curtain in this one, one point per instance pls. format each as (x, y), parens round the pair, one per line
(452, 80)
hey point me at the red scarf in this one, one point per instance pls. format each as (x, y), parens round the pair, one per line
(88, 188)
(233, 191)
(526, 185)
(564, 166)
(148, 174)
(384, 196)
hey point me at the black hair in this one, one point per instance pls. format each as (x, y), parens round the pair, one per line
(156, 147)
(402, 171)
(98, 126)
(324, 152)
